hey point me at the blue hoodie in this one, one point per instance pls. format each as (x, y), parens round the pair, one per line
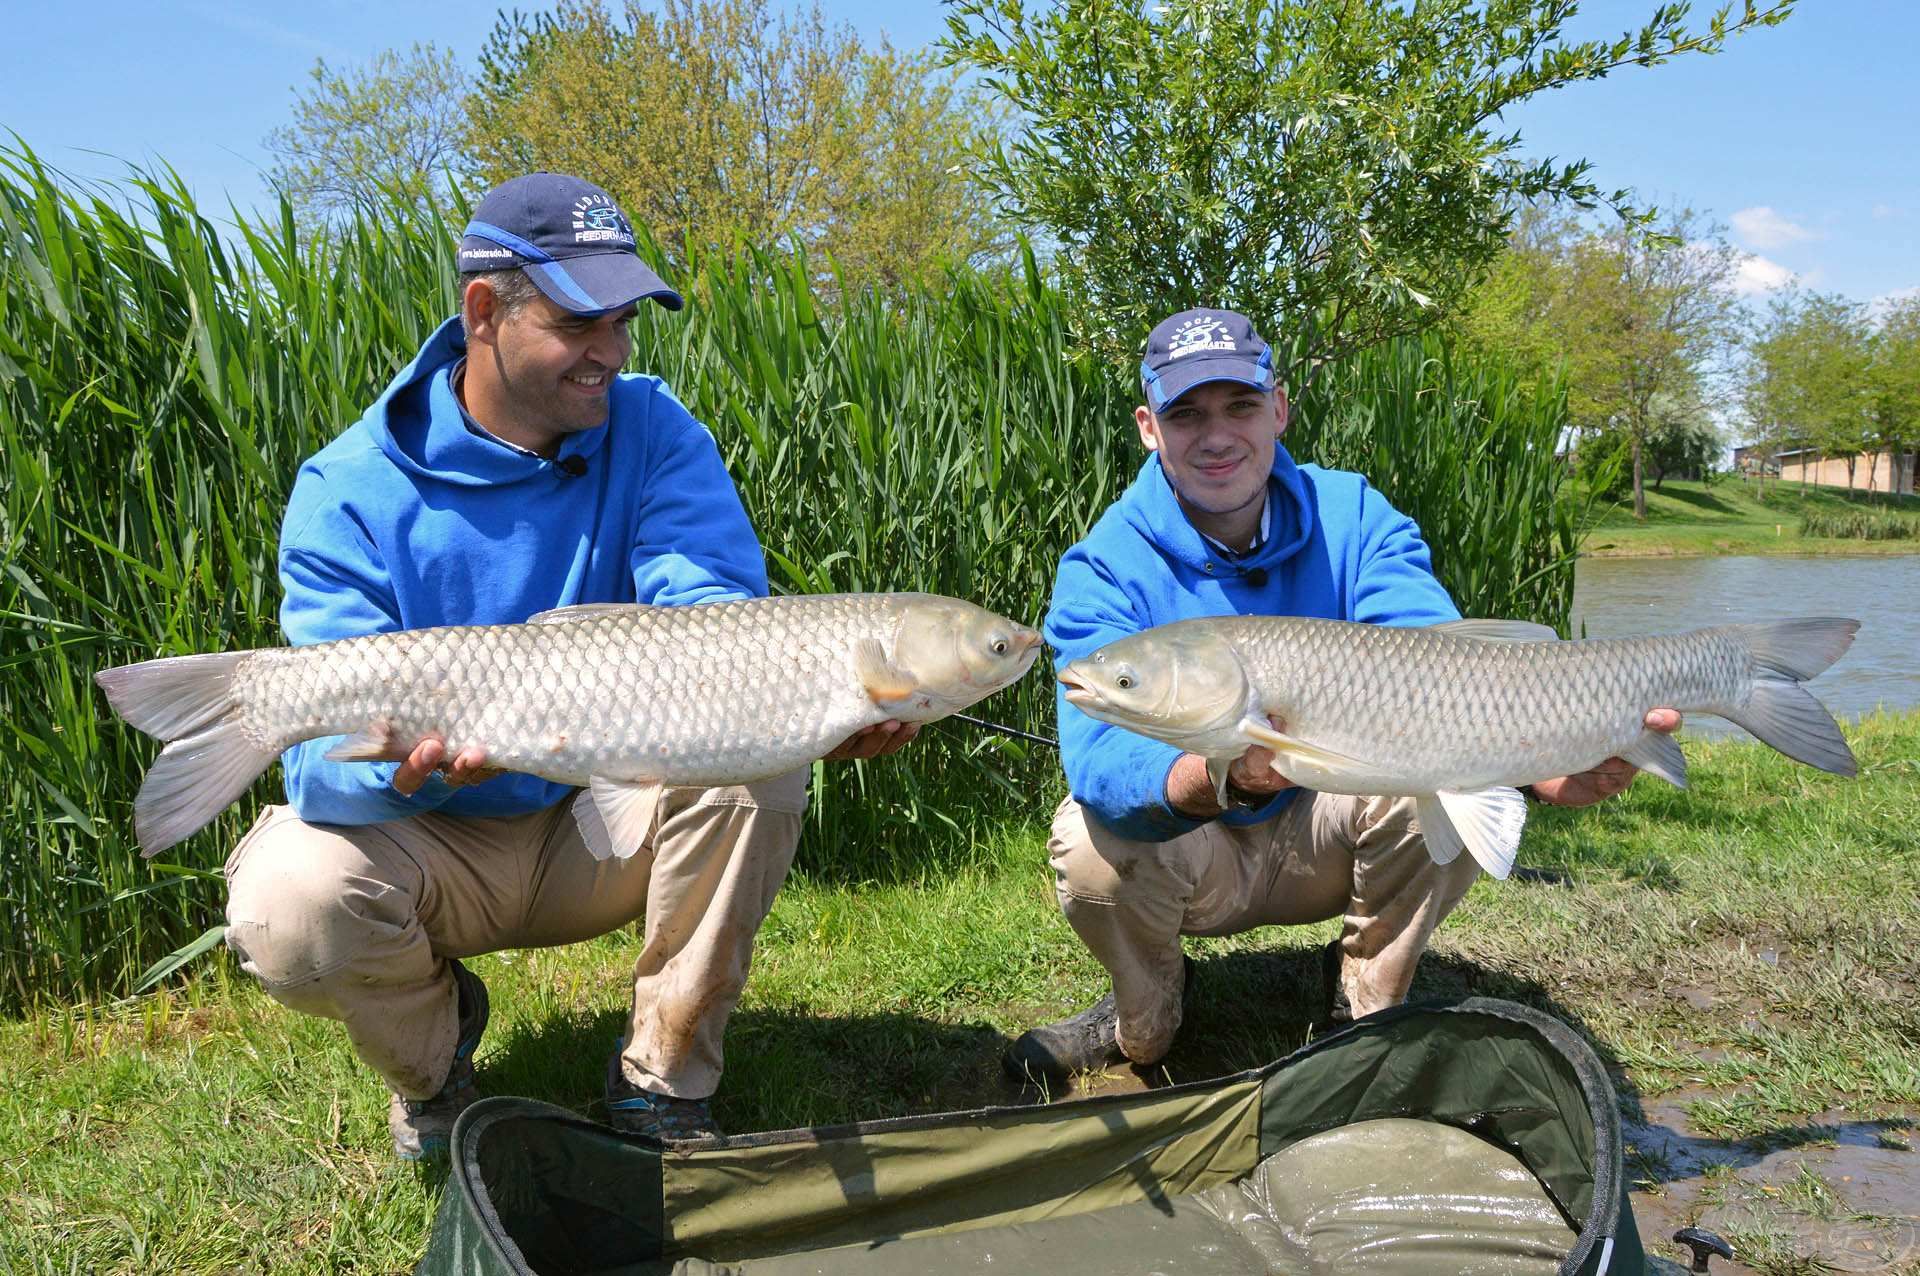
(411, 519)
(1335, 549)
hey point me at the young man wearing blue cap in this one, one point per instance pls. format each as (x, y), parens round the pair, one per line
(512, 468)
(1221, 521)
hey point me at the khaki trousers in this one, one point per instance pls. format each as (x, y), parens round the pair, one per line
(356, 923)
(1325, 855)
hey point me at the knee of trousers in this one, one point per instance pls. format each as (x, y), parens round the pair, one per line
(1095, 865)
(301, 909)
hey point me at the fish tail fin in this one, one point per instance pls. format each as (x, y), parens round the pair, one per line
(1783, 714)
(187, 701)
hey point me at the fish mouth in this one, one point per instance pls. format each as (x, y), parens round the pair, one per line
(1078, 695)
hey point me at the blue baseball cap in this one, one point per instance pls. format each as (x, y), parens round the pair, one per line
(571, 239)
(1198, 346)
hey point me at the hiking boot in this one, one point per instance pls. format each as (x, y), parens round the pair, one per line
(422, 1128)
(1085, 1042)
(1333, 993)
(665, 1118)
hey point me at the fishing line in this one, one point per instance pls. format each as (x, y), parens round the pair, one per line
(1015, 732)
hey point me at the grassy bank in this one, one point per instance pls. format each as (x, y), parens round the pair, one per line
(1692, 519)
(1744, 953)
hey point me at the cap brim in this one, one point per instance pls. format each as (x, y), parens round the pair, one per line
(1182, 377)
(601, 282)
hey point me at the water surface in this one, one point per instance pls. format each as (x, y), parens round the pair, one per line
(1622, 597)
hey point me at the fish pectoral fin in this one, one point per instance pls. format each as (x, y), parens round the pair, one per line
(1217, 772)
(1499, 630)
(880, 678)
(374, 742)
(615, 817)
(1442, 839)
(1488, 822)
(1658, 753)
(1286, 746)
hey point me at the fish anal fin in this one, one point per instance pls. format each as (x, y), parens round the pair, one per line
(883, 681)
(1498, 630)
(615, 817)
(1658, 753)
(1488, 823)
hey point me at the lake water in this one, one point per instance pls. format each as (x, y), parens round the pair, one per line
(1622, 597)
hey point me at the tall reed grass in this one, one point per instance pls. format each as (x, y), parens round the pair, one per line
(1861, 525)
(162, 376)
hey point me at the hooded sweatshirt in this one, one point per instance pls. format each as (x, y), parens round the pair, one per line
(415, 517)
(1334, 549)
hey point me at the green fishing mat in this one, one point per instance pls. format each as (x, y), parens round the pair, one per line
(1473, 1136)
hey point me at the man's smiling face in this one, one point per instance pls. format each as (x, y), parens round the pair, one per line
(1216, 444)
(556, 367)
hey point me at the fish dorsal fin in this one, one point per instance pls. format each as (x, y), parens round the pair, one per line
(883, 681)
(1488, 822)
(1499, 630)
(581, 611)
(1658, 753)
(615, 817)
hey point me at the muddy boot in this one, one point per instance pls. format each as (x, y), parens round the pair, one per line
(662, 1117)
(1333, 1000)
(1085, 1042)
(422, 1128)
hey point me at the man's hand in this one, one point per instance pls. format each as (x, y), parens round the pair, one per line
(1190, 788)
(1610, 778)
(429, 755)
(876, 741)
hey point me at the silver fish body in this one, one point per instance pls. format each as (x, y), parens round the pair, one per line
(623, 699)
(1457, 715)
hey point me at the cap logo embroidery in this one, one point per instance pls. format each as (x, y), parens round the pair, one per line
(1197, 335)
(597, 221)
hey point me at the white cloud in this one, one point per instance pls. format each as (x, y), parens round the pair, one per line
(1757, 275)
(1761, 227)
(1887, 300)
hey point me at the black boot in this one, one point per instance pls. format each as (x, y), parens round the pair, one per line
(1333, 993)
(1086, 1042)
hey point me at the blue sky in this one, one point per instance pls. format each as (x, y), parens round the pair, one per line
(1800, 139)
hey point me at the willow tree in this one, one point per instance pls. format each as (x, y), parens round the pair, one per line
(1338, 169)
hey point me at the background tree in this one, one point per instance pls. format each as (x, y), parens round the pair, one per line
(1335, 170)
(1647, 320)
(395, 122)
(1814, 358)
(718, 121)
(1895, 383)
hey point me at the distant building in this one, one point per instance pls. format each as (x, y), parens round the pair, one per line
(1812, 466)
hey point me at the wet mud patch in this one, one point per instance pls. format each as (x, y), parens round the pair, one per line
(1837, 1193)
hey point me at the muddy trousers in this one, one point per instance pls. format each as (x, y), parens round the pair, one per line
(1324, 856)
(357, 923)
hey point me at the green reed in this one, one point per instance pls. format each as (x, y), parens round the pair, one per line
(1862, 525)
(163, 375)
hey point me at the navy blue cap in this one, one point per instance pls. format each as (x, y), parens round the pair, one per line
(1198, 346)
(571, 239)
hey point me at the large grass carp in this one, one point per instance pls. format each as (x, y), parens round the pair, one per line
(623, 699)
(1456, 715)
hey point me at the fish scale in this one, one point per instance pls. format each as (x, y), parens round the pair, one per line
(1456, 715)
(619, 698)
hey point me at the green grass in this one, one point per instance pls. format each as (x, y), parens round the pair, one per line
(1688, 518)
(1750, 947)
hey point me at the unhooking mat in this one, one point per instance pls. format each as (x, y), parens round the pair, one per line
(1476, 1136)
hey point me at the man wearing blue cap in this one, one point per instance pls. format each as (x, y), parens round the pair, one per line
(1221, 521)
(512, 468)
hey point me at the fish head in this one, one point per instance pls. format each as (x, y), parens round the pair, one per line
(1182, 684)
(959, 653)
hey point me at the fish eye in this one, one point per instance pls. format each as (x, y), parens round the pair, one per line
(999, 646)
(1124, 682)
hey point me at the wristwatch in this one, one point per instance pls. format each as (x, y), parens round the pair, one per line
(1239, 799)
